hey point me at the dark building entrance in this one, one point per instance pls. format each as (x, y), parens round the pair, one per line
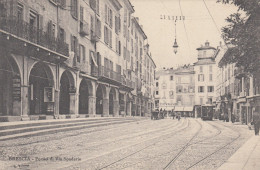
(111, 101)
(83, 97)
(10, 86)
(99, 101)
(41, 95)
(65, 87)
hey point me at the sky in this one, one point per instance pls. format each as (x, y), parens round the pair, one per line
(199, 26)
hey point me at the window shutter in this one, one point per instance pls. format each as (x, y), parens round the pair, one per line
(119, 24)
(64, 36)
(63, 3)
(81, 13)
(111, 65)
(110, 39)
(49, 29)
(105, 34)
(106, 13)
(40, 22)
(111, 18)
(98, 59)
(71, 43)
(71, 7)
(116, 30)
(76, 46)
(13, 7)
(119, 46)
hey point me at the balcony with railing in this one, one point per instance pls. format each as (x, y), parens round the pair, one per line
(22, 31)
(127, 84)
(94, 70)
(109, 75)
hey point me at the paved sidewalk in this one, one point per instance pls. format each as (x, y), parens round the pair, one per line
(246, 158)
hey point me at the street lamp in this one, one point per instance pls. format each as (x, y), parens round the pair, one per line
(175, 45)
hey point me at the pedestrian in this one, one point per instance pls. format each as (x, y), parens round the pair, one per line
(256, 120)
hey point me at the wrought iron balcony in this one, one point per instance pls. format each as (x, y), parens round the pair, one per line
(109, 75)
(84, 29)
(25, 31)
(127, 84)
(94, 70)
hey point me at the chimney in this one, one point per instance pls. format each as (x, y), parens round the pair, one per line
(137, 19)
(141, 26)
(146, 47)
(220, 43)
(207, 43)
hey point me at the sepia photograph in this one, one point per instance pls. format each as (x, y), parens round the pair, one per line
(129, 84)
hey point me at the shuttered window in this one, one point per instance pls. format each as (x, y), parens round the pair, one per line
(74, 8)
(98, 28)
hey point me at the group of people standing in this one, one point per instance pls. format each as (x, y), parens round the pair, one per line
(256, 120)
(160, 114)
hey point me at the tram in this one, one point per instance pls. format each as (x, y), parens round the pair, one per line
(207, 112)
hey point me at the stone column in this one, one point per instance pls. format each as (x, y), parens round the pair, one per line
(25, 105)
(56, 103)
(73, 105)
(251, 89)
(91, 106)
(243, 85)
(116, 108)
(145, 109)
(25, 109)
(105, 102)
(130, 109)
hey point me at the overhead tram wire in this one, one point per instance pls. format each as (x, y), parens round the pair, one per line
(183, 24)
(214, 22)
(185, 28)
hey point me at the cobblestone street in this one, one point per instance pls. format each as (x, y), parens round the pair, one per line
(163, 144)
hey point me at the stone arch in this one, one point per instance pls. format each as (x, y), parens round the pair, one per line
(129, 104)
(70, 77)
(67, 87)
(41, 89)
(100, 96)
(112, 99)
(10, 86)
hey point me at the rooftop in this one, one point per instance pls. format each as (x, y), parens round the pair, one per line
(206, 47)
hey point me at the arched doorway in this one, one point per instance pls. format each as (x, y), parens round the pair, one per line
(99, 100)
(128, 105)
(112, 96)
(41, 97)
(10, 86)
(66, 86)
(83, 97)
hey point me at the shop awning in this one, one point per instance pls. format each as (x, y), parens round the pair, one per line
(93, 58)
(178, 109)
(167, 108)
(188, 109)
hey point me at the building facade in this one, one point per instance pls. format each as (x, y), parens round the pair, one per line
(175, 90)
(165, 94)
(237, 91)
(205, 75)
(66, 59)
(185, 90)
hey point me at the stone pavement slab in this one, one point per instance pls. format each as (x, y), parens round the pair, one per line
(246, 158)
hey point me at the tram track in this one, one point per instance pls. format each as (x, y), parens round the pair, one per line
(183, 148)
(217, 150)
(208, 138)
(134, 153)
